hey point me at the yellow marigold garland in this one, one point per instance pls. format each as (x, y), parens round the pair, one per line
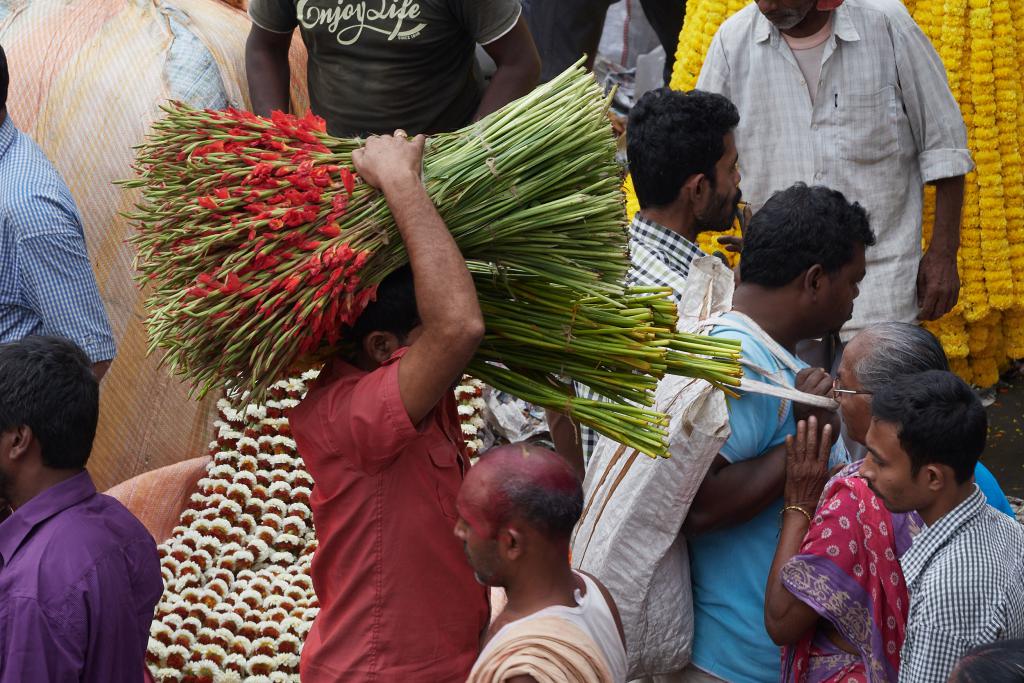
(978, 42)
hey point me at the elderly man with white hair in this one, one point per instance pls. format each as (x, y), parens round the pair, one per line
(874, 358)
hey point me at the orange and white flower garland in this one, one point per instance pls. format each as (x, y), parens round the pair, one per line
(238, 598)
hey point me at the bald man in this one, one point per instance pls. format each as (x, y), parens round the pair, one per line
(517, 509)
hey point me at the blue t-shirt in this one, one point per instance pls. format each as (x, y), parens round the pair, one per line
(729, 568)
(986, 481)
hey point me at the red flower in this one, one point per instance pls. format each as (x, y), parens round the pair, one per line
(329, 230)
(313, 122)
(294, 218)
(232, 285)
(348, 180)
(221, 193)
(208, 203)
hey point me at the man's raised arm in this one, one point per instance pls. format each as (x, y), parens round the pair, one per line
(451, 323)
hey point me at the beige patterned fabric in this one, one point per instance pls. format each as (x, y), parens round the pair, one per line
(87, 79)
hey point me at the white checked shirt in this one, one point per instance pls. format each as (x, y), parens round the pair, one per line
(658, 257)
(965, 574)
(883, 123)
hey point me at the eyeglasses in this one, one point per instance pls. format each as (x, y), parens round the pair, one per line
(838, 390)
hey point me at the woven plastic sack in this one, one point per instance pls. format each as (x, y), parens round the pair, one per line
(87, 79)
(159, 497)
(629, 535)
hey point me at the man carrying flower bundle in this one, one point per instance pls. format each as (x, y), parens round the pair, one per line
(47, 286)
(377, 66)
(380, 435)
(852, 95)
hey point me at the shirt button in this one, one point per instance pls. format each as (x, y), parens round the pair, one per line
(803, 82)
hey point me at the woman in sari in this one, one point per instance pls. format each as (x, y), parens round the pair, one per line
(836, 599)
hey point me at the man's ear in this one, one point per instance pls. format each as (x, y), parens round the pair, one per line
(510, 543)
(379, 346)
(695, 189)
(814, 279)
(18, 441)
(937, 476)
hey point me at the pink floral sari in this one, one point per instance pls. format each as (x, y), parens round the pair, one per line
(848, 571)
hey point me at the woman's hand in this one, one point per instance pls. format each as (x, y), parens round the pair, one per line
(807, 464)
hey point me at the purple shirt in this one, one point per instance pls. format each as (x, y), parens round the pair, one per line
(79, 580)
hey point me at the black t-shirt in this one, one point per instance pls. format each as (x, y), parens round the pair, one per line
(378, 65)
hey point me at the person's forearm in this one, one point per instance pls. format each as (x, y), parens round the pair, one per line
(269, 77)
(949, 203)
(785, 617)
(508, 83)
(736, 493)
(445, 295)
(565, 436)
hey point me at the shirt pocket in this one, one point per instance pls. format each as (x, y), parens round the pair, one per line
(867, 125)
(447, 477)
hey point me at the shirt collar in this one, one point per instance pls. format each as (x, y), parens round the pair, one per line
(50, 502)
(674, 250)
(842, 26)
(7, 134)
(938, 535)
(339, 367)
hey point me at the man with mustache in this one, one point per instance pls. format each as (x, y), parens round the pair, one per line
(683, 160)
(853, 96)
(517, 509)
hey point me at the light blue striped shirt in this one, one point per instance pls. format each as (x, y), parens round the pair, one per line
(47, 284)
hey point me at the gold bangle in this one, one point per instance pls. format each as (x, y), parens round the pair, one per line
(805, 513)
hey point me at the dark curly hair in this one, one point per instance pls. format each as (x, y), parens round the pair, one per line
(5, 78)
(940, 420)
(393, 309)
(798, 228)
(673, 135)
(998, 662)
(47, 384)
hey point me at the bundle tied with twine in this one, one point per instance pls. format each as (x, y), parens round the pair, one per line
(260, 246)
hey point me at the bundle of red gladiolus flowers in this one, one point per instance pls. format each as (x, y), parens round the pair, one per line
(260, 246)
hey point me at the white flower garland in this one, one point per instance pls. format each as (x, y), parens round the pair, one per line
(469, 395)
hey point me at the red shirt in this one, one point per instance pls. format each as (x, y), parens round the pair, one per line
(398, 601)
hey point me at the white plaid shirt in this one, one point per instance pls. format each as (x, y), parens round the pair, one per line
(965, 574)
(658, 257)
(883, 123)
